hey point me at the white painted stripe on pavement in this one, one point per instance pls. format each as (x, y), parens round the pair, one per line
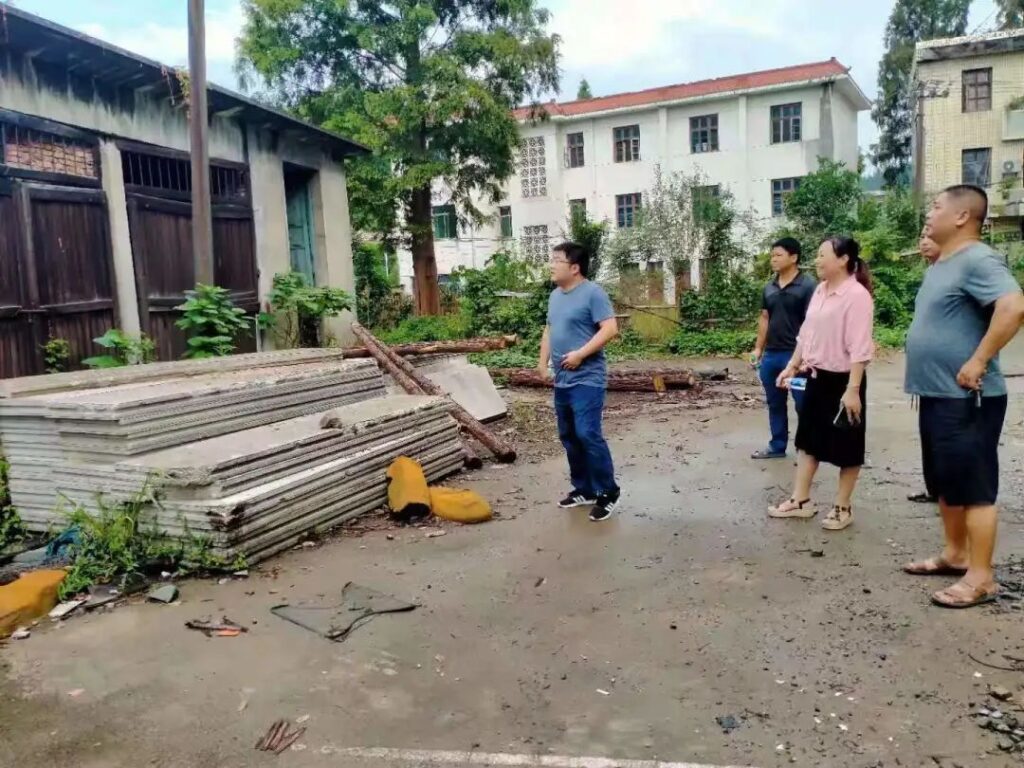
(451, 757)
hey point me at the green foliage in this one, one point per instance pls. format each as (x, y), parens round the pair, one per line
(298, 310)
(591, 235)
(123, 540)
(378, 305)
(57, 355)
(426, 328)
(487, 313)
(522, 356)
(629, 345)
(1016, 103)
(584, 92)
(896, 284)
(11, 528)
(124, 350)
(890, 338)
(825, 204)
(211, 321)
(729, 298)
(1011, 14)
(428, 86)
(911, 22)
(707, 343)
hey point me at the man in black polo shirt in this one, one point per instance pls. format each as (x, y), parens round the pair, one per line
(783, 308)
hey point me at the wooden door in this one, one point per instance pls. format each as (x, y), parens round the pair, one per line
(18, 332)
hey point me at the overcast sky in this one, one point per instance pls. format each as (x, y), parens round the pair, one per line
(618, 45)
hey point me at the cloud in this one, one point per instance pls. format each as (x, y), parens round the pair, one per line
(168, 43)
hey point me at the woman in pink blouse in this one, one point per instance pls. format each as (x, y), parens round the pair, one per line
(833, 351)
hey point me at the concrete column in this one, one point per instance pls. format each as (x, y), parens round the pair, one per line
(269, 210)
(334, 241)
(825, 124)
(663, 142)
(120, 239)
(743, 138)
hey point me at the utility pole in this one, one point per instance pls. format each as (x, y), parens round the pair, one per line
(202, 222)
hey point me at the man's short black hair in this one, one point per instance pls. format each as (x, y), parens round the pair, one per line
(974, 197)
(575, 254)
(790, 245)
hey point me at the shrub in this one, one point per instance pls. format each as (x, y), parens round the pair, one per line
(705, 343)
(123, 350)
(57, 355)
(373, 283)
(211, 321)
(11, 528)
(890, 338)
(298, 310)
(426, 328)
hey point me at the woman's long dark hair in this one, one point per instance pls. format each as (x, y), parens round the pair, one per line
(855, 265)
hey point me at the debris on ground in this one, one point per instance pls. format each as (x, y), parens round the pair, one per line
(223, 628)
(1008, 727)
(277, 739)
(728, 723)
(336, 621)
(22, 633)
(167, 593)
(1000, 693)
(66, 608)
(100, 595)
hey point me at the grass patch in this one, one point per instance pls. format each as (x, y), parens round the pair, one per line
(11, 529)
(890, 338)
(427, 328)
(122, 540)
(729, 342)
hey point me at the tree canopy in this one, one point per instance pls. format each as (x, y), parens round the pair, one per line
(428, 85)
(584, 92)
(911, 21)
(1011, 14)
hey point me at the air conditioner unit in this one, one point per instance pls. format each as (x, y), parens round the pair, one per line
(1011, 167)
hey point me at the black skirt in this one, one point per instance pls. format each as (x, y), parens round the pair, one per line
(817, 435)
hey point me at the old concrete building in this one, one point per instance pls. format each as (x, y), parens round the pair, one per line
(95, 187)
(970, 119)
(754, 134)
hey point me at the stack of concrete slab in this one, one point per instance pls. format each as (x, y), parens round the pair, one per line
(263, 489)
(469, 385)
(41, 433)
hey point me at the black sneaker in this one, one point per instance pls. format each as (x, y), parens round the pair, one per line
(604, 508)
(576, 499)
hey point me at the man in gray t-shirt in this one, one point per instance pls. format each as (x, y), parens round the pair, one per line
(968, 308)
(580, 322)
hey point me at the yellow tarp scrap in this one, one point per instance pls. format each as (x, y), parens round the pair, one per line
(408, 494)
(27, 598)
(460, 506)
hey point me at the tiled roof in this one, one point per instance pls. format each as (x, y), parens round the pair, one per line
(748, 81)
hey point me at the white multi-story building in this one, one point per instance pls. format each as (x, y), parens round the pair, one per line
(755, 134)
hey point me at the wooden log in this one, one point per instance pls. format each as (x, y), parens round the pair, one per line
(502, 449)
(459, 347)
(412, 387)
(618, 381)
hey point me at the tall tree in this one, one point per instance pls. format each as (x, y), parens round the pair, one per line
(584, 92)
(1011, 14)
(428, 85)
(911, 21)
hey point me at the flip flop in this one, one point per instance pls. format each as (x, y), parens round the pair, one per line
(978, 596)
(939, 567)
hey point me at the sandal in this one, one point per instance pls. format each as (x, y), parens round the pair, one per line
(933, 566)
(793, 508)
(950, 598)
(922, 498)
(838, 519)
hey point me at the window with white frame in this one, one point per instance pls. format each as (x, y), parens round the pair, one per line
(781, 189)
(704, 134)
(787, 122)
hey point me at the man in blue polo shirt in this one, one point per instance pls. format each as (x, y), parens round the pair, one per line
(784, 305)
(581, 321)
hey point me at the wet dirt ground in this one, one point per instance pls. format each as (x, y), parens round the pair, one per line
(543, 637)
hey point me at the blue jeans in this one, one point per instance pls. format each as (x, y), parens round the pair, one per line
(579, 409)
(773, 363)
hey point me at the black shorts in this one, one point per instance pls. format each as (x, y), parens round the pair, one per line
(960, 448)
